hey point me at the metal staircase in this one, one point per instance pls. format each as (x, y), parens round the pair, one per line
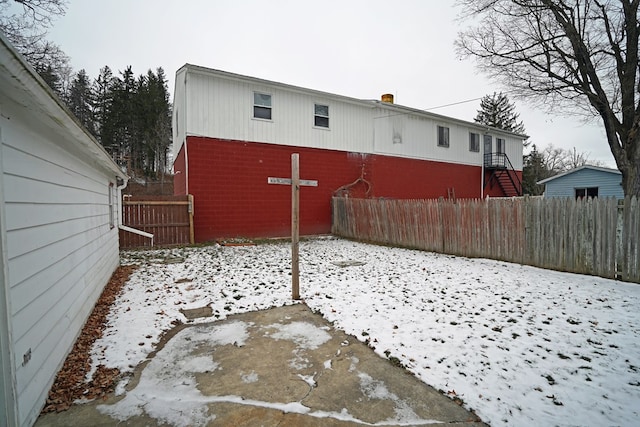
(502, 174)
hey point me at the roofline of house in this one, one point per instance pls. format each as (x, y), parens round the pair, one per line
(20, 70)
(598, 168)
(361, 102)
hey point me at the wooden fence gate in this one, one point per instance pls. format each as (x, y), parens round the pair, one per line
(168, 218)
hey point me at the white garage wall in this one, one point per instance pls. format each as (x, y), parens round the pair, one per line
(61, 251)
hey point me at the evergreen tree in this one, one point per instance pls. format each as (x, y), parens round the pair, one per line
(80, 100)
(534, 170)
(120, 122)
(51, 78)
(103, 99)
(497, 111)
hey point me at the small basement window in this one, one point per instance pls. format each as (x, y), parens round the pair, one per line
(443, 136)
(321, 115)
(261, 106)
(474, 142)
(586, 192)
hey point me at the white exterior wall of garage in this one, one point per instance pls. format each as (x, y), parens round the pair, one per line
(59, 235)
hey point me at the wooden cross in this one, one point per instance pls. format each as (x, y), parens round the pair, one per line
(295, 182)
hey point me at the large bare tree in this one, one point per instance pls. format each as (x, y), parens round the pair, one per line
(26, 22)
(571, 56)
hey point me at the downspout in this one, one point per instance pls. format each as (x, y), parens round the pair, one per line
(186, 155)
(186, 168)
(123, 227)
(119, 189)
(482, 167)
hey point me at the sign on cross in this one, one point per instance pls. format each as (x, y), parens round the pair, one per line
(295, 182)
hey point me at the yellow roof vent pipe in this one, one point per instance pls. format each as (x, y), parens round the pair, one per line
(387, 97)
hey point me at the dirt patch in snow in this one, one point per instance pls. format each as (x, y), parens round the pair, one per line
(71, 383)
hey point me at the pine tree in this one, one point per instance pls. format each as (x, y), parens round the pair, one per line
(497, 111)
(80, 100)
(118, 131)
(103, 100)
(51, 78)
(535, 169)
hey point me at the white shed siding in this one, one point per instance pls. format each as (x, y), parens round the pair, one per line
(8, 415)
(59, 248)
(61, 251)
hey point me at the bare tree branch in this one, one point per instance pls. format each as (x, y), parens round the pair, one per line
(570, 56)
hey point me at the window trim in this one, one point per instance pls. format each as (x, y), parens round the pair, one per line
(474, 148)
(445, 135)
(263, 107)
(586, 191)
(317, 116)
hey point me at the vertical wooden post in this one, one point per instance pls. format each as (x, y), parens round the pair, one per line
(295, 225)
(192, 239)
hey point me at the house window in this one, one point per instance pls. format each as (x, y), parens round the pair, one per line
(112, 221)
(443, 136)
(261, 106)
(500, 145)
(586, 192)
(321, 115)
(474, 142)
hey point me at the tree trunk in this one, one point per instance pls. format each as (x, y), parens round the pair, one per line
(630, 166)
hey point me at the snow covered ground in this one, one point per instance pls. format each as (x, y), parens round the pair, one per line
(519, 345)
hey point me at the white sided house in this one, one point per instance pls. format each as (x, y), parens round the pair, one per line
(231, 133)
(59, 202)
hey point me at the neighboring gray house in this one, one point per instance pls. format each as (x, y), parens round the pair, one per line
(59, 203)
(585, 181)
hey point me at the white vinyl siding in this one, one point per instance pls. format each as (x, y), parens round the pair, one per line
(216, 104)
(61, 251)
(221, 108)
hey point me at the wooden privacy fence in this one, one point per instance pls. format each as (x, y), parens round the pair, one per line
(168, 218)
(589, 236)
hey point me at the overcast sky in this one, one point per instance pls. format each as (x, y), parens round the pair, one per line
(357, 48)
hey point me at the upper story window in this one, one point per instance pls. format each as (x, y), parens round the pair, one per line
(261, 106)
(474, 142)
(500, 145)
(443, 136)
(321, 116)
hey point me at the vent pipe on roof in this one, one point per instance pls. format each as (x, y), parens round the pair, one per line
(387, 97)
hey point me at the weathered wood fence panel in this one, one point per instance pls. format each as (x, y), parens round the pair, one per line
(168, 218)
(631, 244)
(589, 236)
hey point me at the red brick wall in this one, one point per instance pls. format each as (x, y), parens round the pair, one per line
(232, 198)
